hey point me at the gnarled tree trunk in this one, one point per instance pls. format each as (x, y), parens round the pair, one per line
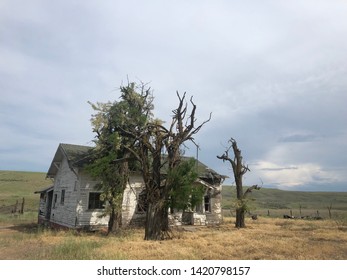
(115, 221)
(239, 169)
(240, 218)
(157, 225)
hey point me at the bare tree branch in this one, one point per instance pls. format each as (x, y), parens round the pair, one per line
(250, 189)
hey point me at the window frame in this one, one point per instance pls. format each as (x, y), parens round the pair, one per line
(94, 201)
(142, 204)
(62, 197)
(55, 199)
(207, 204)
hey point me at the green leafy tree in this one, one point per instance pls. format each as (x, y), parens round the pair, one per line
(184, 194)
(111, 160)
(127, 132)
(113, 179)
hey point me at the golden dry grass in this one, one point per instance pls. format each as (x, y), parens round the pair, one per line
(265, 238)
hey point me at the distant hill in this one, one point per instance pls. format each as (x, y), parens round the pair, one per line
(14, 185)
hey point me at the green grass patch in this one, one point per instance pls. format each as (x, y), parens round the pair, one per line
(73, 248)
(14, 185)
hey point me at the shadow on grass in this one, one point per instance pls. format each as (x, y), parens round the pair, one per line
(23, 228)
(34, 228)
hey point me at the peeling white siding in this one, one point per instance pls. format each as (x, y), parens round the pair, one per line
(73, 212)
(64, 214)
(130, 199)
(87, 217)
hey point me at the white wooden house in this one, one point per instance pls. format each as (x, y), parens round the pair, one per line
(73, 202)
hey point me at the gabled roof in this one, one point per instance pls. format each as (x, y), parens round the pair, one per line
(207, 173)
(77, 155)
(75, 152)
(204, 172)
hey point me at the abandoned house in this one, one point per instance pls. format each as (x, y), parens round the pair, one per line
(73, 202)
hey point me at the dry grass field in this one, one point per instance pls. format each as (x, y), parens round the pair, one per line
(268, 238)
(265, 238)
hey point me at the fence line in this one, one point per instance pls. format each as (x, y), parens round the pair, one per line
(18, 207)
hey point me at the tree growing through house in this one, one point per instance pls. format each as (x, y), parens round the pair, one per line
(110, 160)
(160, 187)
(126, 134)
(182, 195)
(239, 169)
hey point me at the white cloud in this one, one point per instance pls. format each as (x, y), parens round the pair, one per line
(286, 177)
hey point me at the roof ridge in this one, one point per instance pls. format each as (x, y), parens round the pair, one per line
(78, 145)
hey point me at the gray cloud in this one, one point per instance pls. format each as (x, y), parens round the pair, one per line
(279, 168)
(298, 138)
(271, 73)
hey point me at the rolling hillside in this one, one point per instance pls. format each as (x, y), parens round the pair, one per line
(14, 185)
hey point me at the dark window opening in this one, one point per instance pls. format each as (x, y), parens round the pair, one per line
(142, 203)
(95, 202)
(207, 203)
(62, 198)
(55, 200)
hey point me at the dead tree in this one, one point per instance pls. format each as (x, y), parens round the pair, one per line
(151, 142)
(182, 129)
(239, 169)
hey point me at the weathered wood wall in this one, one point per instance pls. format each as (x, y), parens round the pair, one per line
(74, 212)
(64, 214)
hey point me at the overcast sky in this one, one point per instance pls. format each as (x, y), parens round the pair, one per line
(273, 74)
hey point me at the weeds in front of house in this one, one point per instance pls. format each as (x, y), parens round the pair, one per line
(341, 221)
(72, 248)
(265, 238)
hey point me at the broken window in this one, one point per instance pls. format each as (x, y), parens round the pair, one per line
(94, 201)
(75, 186)
(62, 198)
(142, 203)
(207, 203)
(43, 197)
(55, 200)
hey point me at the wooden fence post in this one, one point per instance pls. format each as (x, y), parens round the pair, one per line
(329, 209)
(22, 208)
(15, 207)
